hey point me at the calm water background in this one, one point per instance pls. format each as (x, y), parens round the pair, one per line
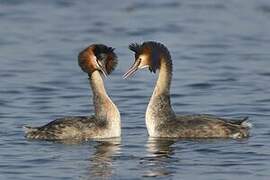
(221, 59)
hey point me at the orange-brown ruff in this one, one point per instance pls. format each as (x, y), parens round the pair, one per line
(161, 120)
(95, 60)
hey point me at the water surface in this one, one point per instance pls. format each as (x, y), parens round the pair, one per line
(220, 51)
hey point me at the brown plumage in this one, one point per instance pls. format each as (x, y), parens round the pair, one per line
(93, 60)
(72, 127)
(203, 126)
(104, 54)
(161, 121)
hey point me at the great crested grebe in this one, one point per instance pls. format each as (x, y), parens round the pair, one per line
(95, 60)
(161, 121)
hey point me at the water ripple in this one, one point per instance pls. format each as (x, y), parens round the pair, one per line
(220, 54)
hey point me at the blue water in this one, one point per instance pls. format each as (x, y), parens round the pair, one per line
(221, 57)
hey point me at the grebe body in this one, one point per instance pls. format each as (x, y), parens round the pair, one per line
(161, 121)
(96, 60)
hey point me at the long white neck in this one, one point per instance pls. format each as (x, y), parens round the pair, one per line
(163, 83)
(159, 109)
(105, 109)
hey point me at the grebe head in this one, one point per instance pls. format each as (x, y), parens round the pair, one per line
(98, 57)
(147, 55)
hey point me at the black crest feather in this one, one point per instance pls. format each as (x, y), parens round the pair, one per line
(106, 53)
(135, 47)
(156, 50)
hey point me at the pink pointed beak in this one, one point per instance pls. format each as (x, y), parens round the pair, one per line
(102, 69)
(132, 70)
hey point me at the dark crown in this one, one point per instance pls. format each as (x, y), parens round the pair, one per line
(106, 54)
(156, 49)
